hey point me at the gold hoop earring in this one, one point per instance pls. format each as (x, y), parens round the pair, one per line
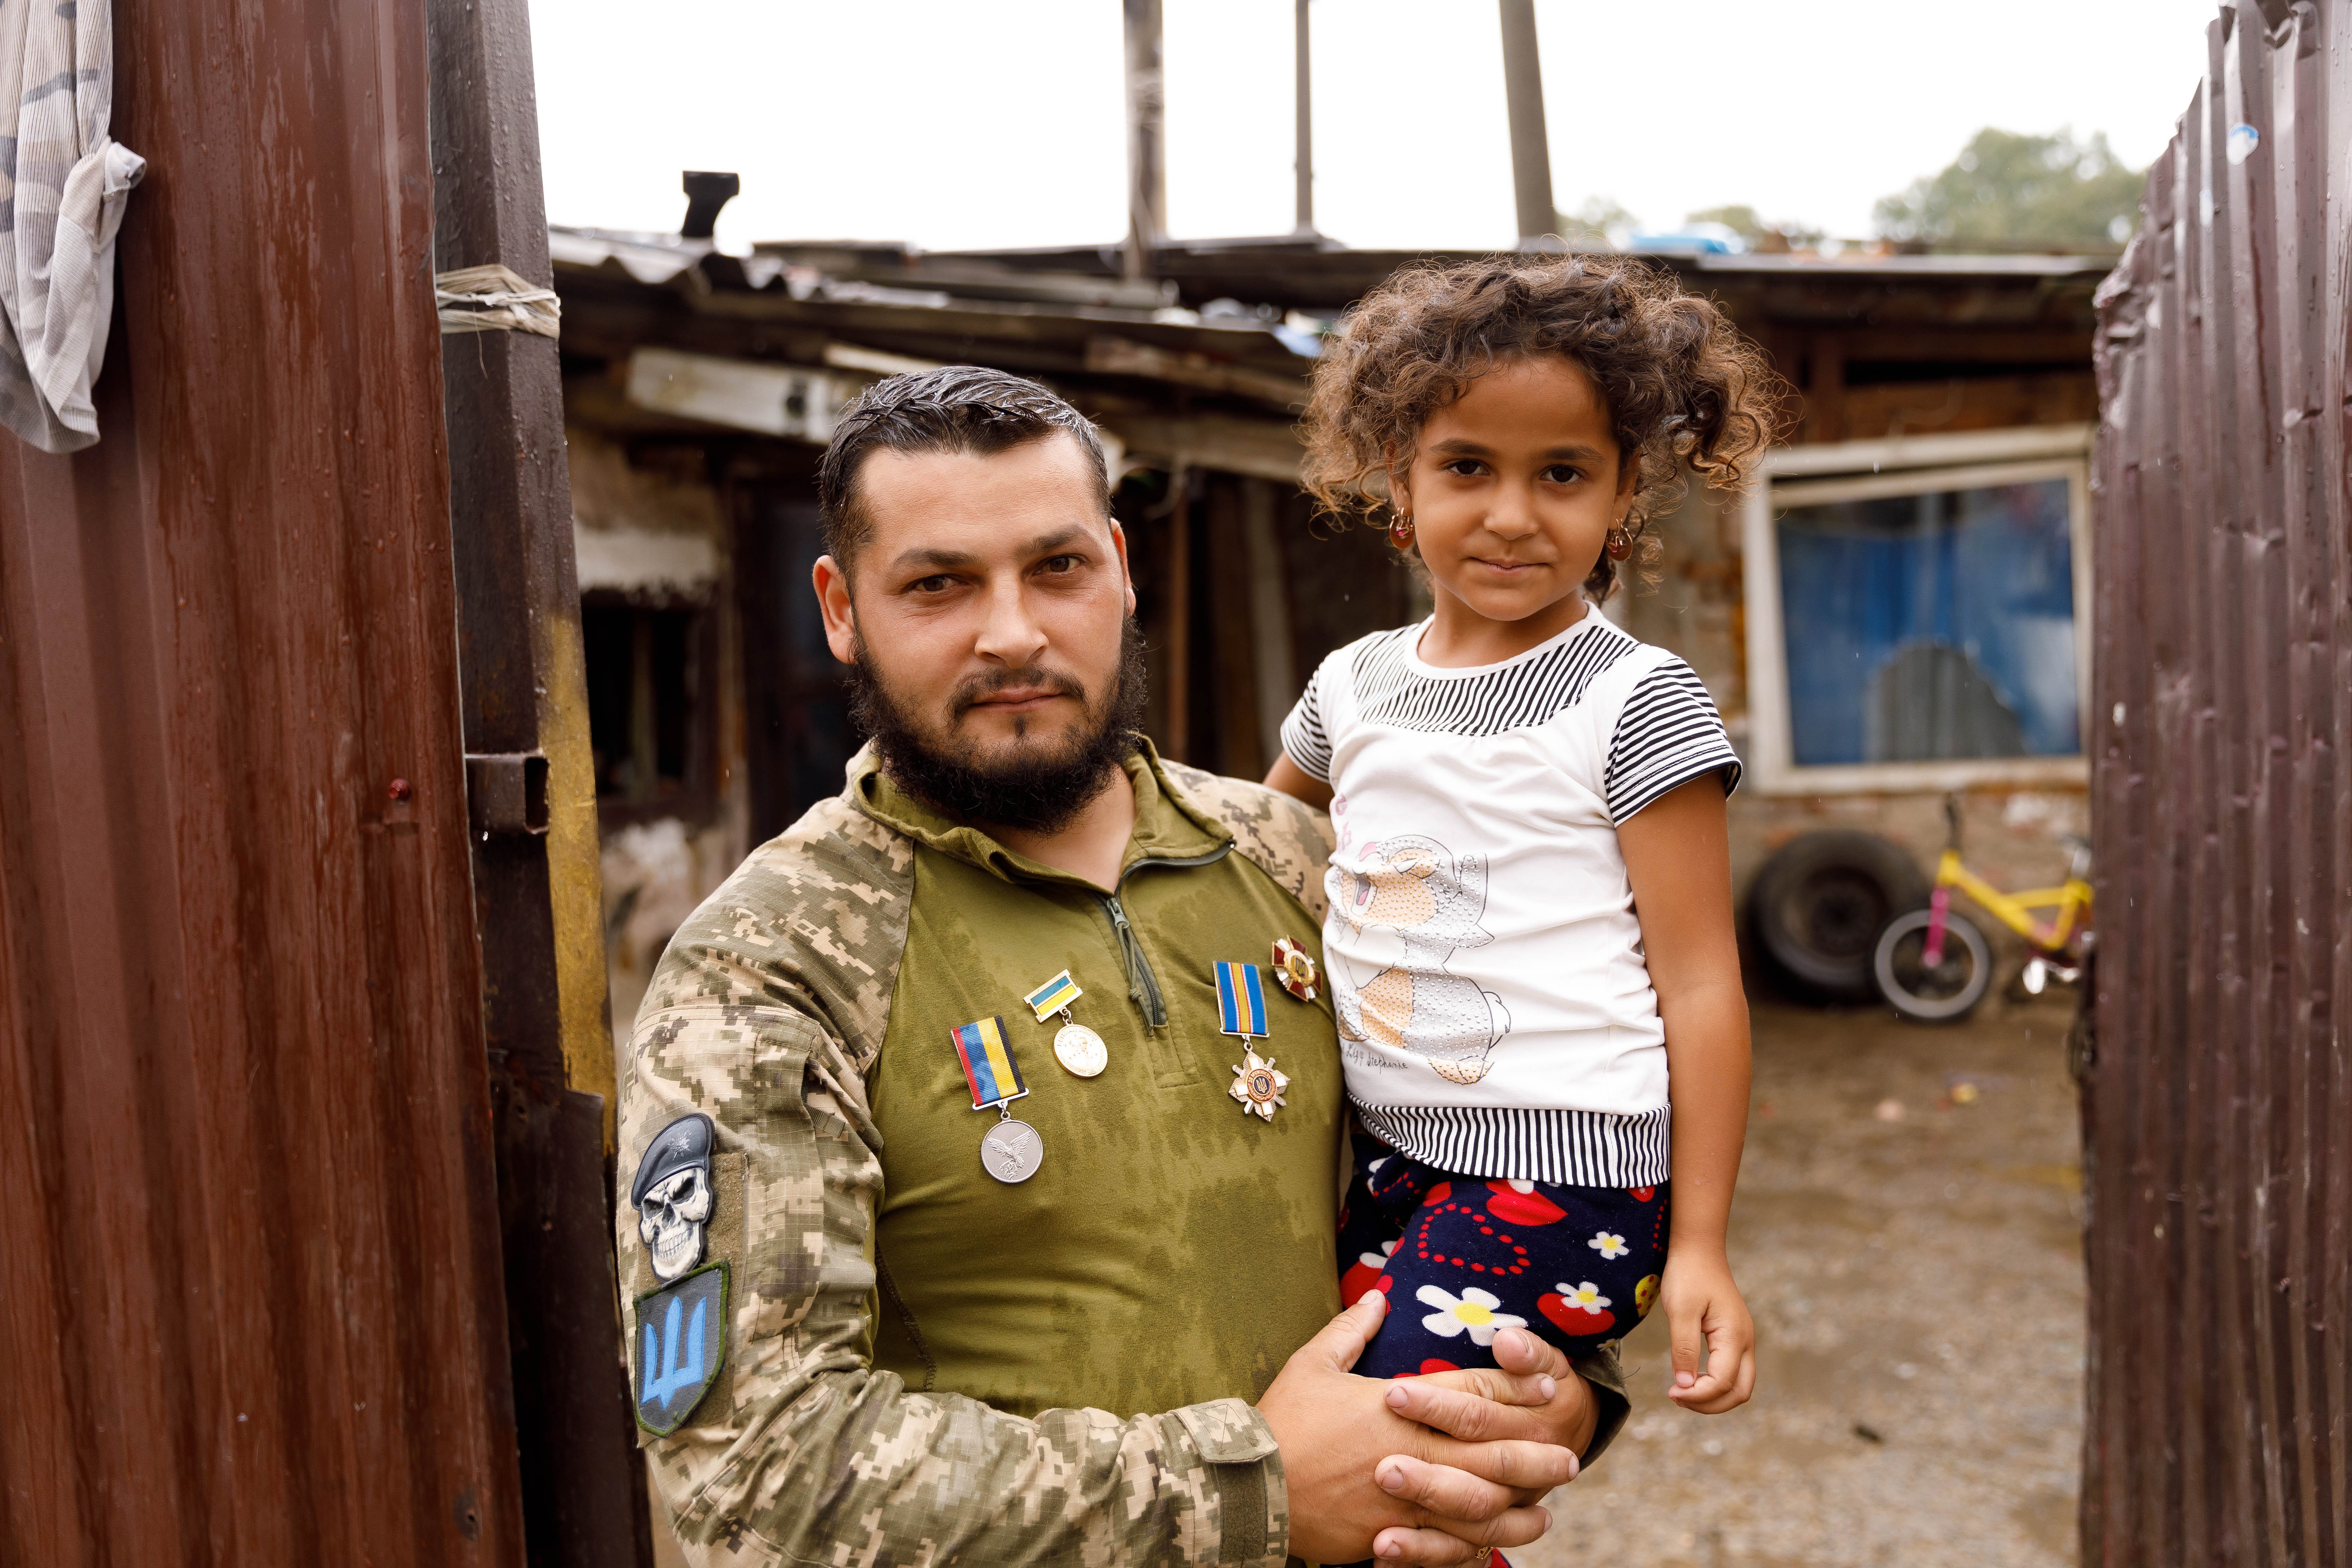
(1401, 532)
(1621, 544)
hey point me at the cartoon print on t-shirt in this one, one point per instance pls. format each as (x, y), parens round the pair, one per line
(1393, 924)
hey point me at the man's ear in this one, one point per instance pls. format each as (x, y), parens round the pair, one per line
(1118, 543)
(831, 581)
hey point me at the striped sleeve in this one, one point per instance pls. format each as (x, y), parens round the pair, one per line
(1668, 733)
(1303, 735)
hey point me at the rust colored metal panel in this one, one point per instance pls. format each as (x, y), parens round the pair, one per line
(251, 1262)
(2218, 1090)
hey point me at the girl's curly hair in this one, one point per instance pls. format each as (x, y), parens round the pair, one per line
(1682, 386)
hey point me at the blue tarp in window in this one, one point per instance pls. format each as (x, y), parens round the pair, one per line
(1931, 627)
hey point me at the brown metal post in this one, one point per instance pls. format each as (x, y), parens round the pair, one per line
(536, 889)
(1147, 170)
(1531, 146)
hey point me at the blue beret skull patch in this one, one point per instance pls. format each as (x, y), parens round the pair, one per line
(674, 1197)
(681, 1327)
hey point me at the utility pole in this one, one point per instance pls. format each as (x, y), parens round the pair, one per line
(1306, 135)
(1147, 167)
(1530, 148)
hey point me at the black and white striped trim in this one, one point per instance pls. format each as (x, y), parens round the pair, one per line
(1389, 691)
(1303, 737)
(1571, 1148)
(1667, 734)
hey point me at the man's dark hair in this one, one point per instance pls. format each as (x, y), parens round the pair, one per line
(956, 408)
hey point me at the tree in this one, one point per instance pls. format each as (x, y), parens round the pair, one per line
(2009, 189)
(1599, 225)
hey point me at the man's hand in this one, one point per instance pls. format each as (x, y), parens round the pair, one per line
(1537, 1397)
(1702, 1303)
(1357, 1469)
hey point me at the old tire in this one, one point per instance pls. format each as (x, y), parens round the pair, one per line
(1817, 906)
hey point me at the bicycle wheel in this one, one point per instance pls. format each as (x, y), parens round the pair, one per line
(1945, 993)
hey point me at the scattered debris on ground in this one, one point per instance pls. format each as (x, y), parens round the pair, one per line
(1908, 1234)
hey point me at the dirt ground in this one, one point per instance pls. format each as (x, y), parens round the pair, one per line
(1917, 1285)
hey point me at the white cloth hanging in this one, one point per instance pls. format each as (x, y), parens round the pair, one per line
(63, 186)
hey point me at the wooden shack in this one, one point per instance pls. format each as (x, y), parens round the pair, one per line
(1919, 550)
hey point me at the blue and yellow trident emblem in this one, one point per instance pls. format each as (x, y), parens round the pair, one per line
(681, 1346)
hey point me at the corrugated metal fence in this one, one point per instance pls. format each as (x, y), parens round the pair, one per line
(250, 1298)
(2217, 1094)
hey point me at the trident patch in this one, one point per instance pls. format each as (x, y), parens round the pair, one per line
(681, 1345)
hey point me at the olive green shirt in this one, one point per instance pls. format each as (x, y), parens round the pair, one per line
(1172, 1248)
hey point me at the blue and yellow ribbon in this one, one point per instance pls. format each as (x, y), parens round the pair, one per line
(1241, 1001)
(1053, 996)
(988, 1064)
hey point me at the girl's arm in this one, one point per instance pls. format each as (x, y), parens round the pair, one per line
(1677, 857)
(1299, 785)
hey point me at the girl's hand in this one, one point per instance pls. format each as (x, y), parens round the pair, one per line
(1702, 1303)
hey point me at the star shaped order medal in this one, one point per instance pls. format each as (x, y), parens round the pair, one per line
(1294, 969)
(1257, 1085)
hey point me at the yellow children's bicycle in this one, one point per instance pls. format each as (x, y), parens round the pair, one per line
(1934, 966)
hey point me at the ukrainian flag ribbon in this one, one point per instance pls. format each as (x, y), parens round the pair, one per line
(1241, 1001)
(988, 1066)
(1053, 996)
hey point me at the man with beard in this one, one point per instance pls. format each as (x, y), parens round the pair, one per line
(874, 1316)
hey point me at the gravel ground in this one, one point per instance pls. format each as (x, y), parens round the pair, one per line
(1918, 1285)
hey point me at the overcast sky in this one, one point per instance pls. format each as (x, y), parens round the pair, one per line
(953, 123)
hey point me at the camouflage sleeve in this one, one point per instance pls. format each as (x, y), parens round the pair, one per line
(1290, 840)
(764, 1015)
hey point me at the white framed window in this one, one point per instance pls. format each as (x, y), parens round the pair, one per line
(1918, 613)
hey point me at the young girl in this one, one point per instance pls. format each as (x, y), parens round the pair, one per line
(1530, 942)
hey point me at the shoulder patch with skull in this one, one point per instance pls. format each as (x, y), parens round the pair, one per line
(673, 1195)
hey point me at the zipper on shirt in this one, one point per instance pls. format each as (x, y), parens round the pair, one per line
(1142, 986)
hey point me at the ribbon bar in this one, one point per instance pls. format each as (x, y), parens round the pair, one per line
(1241, 1001)
(1053, 996)
(987, 1065)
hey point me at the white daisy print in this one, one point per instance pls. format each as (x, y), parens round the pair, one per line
(1474, 1310)
(1609, 1245)
(1584, 1298)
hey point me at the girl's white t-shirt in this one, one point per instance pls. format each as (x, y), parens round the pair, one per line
(1495, 1013)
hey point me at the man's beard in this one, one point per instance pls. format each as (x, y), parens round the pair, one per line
(1034, 790)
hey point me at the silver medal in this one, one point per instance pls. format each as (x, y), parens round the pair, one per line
(1081, 1050)
(1012, 1151)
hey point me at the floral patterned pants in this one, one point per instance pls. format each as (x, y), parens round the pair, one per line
(1462, 1257)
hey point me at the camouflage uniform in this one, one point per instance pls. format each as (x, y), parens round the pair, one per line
(767, 1013)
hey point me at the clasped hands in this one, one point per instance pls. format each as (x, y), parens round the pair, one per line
(1434, 1471)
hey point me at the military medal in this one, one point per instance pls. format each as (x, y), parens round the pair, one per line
(1294, 969)
(1241, 1002)
(1075, 1047)
(1257, 1086)
(1011, 1150)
